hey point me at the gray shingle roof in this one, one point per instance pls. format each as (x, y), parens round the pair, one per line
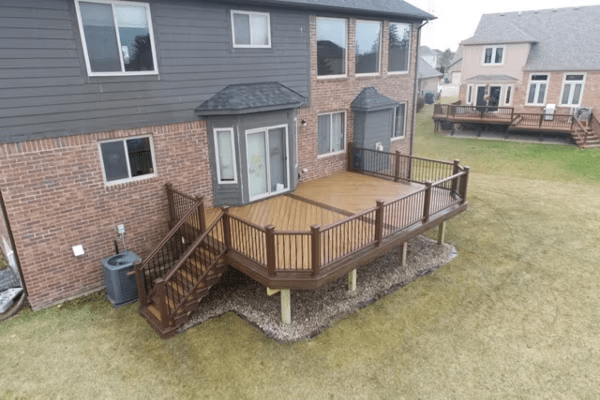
(397, 8)
(370, 99)
(562, 39)
(424, 70)
(492, 78)
(251, 98)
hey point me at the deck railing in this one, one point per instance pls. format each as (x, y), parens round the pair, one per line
(450, 111)
(537, 120)
(179, 204)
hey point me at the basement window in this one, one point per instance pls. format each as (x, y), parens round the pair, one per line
(117, 38)
(127, 159)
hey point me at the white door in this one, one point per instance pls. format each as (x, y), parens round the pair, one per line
(268, 164)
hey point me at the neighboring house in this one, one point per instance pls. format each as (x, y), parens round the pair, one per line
(429, 56)
(428, 78)
(103, 102)
(532, 59)
(454, 70)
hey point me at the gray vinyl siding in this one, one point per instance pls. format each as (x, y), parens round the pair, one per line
(45, 90)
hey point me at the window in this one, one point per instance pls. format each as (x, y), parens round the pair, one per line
(493, 55)
(251, 29)
(331, 47)
(469, 94)
(332, 132)
(399, 47)
(225, 151)
(507, 95)
(127, 159)
(537, 89)
(572, 90)
(399, 121)
(117, 38)
(368, 39)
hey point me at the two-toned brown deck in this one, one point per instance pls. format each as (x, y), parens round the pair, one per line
(584, 134)
(302, 240)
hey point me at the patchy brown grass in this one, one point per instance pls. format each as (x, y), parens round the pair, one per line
(515, 315)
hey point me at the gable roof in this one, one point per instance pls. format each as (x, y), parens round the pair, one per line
(251, 98)
(562, 39)
(397, 8)
(369, 99)
(424, 70)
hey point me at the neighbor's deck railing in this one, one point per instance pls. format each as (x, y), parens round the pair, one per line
(323, 248)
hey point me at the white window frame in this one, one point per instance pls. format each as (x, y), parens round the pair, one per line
(331, 136)
(84, 44)
(409, 49)
(494, 49)
(250, 14)
(130, 179)
(469, 99)
(504, 92)
(537, 89)
(405, 121)
(345, 75)
(380, 48)
(268, 160)
(217, 155)
(562, 90)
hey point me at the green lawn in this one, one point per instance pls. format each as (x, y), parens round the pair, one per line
(515, 315)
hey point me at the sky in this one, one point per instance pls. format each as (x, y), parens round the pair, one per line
(457, 19)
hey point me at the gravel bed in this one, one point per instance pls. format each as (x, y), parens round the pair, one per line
(313, 311)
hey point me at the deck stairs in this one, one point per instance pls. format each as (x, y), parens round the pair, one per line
(585, 136)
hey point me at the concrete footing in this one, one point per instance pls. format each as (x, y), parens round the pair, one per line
(352, 280)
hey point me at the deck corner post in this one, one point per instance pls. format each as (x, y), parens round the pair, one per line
(169, 187)
(455, 170)
(427, 201)
(161, 294)
(316, 249)
(139, 280)
(441, 232)
(226, 226)
(201, 215)
(286, 306)
(397, 166)
(379, 222)
(464, 184)
(352, 280)
(270, 247)
(404, 253)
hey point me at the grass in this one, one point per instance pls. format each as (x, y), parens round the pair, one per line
(515, 315)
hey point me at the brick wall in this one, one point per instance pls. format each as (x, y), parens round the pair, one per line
(337, 94)
(56, 198)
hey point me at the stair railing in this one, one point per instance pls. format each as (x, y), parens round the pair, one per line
(582, 129)
(169, 249)
(214, 240)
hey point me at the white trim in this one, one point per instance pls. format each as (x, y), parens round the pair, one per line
(562, 89)
(494, 50)
(409, 49)
(380, 55)
(469, 101)
(547, 81)
(268, 160)
(405, 122)
(119, 50)
(250, 14)
(130, 178)
(345, 75)
(233, 156)
(512, 94)
(330, 153)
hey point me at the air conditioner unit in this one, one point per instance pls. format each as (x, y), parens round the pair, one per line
(379, 146)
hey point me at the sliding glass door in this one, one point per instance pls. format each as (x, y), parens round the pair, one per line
(268, 161)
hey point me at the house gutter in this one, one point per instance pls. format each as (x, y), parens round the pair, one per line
(414, 119)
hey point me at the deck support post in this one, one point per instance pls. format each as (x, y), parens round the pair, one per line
(201, 213)
(226, 226)
(352, 280)
(270, 244)
(404, 253)
(441, 232)
(379, 222)
(286, 306)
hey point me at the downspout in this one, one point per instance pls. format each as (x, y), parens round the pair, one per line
(412, 138)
